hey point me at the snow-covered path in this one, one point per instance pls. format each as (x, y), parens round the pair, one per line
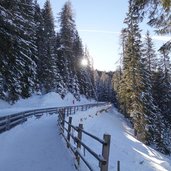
(34, 146)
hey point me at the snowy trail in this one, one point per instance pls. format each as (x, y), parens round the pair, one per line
(132, 154)
(34, 146)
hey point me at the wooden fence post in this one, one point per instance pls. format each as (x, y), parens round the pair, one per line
(59, 118)
(8, 123)
(23, 117)
(67, 110)
(69, 130)
(118, 165)
(89, 106)
(105, 152)
(78, 143)
(64, 111)
(63, 120)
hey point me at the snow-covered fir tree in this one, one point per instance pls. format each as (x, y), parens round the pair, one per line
(39, 42)
(60, 86)
(47, 59)
(104, 86)
(162, 93)
(18, 55)
(156, 119)
(79, 69)
(89, 75)
(30, 52)
(67, 58)
(135, 86)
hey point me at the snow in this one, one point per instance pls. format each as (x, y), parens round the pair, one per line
(132, 154)
(34, 146)
(41, 101)
(37, 145)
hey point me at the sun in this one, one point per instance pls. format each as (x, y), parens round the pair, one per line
(84, 62)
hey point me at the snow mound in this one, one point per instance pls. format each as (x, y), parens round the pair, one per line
(4, 105)
(41, 101)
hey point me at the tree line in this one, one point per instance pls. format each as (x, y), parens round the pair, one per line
(34, 58)
(143, 80)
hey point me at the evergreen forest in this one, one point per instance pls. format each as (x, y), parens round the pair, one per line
(37, 58)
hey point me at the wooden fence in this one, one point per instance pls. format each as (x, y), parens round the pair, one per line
(65, 130)
(8, 122)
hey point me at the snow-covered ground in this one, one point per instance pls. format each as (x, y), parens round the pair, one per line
(37, 146)
(132, 154)
(41, 101)
(34, 146)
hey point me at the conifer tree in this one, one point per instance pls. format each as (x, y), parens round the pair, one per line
(60, 86)
(29, 35)
(3, 43)
(39, 27)
(1, 87)
(35, 58)
(157, 120)
(159, 91)
(89, 76)
(18, 66)
(67, 37)
(79, 69)
(150, 54)
(158, 14)
(163, 93)
(122, 87)
(135, 85)
(46, 74)
(164, 101)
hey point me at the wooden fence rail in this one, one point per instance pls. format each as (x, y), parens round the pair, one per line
(10, 121)
(65, 130)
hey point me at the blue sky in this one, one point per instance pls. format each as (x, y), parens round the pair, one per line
(99, 23)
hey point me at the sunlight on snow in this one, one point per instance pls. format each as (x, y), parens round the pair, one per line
(131, 138)
(153, 161)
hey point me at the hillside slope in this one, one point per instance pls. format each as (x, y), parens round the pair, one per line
(132, 154)
(41, 101)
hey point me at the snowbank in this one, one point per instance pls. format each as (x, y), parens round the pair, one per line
(41, 101)
(132, 154)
